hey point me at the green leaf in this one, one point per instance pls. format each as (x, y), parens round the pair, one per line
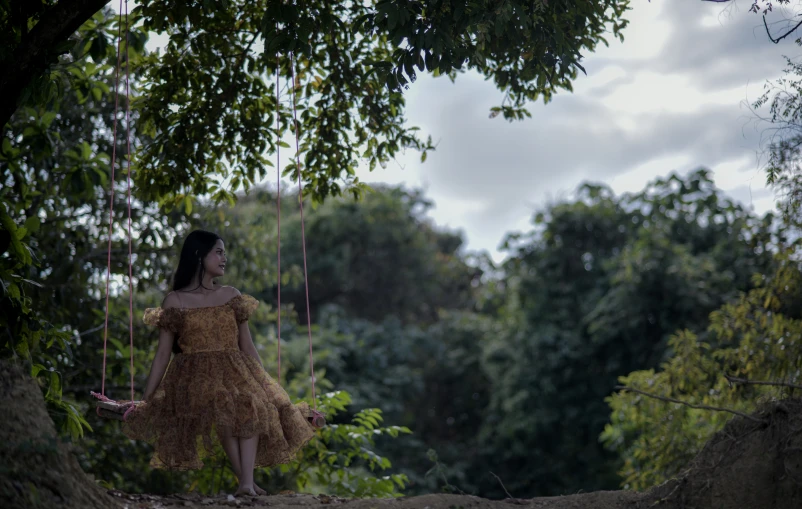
(54, 390)
(32, 224)
(36, 369)
(48, 118)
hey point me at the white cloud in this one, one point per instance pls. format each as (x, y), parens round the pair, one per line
(669, 98)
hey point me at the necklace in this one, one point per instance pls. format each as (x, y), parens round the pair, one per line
(202, 290)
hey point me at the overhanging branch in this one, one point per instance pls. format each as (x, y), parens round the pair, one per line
(786, 34)
(744, 381)
(34, 53)
(690, 405)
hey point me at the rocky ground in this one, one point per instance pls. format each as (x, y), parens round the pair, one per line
(751, 464)
(598, 500)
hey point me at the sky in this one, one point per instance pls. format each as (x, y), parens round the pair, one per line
(672, 97)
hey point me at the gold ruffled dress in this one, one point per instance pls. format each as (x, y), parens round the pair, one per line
(213, 389)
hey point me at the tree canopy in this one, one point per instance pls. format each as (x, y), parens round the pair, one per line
(597, 289)
(209, 115)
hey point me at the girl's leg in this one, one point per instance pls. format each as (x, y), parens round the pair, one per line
(231, 446)
(247, 454)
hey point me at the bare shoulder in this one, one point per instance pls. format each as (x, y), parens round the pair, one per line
(171, 301)
(230, 291)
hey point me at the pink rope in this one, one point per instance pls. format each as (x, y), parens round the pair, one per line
(129, 411)
(303, 233)
(102, 395)
(130, 255)
(111, 201)
(278, 210)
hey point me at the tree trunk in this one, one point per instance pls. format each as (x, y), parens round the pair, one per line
(36, 51)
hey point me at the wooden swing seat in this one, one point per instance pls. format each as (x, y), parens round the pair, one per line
(114, 410)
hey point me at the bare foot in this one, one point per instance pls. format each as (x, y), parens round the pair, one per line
(245, 490)
(258, 490)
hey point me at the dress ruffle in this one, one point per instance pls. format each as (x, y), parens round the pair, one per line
(210, 395)
(244, 306)
(169, 318)
(173, 318)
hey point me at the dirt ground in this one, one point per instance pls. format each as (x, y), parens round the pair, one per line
(751, 464)
(599, 500)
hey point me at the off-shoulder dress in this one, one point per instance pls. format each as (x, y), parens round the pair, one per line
(213, 389)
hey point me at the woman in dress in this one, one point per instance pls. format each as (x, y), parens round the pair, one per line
(215, 389)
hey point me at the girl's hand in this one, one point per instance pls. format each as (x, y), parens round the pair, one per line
(160, 362)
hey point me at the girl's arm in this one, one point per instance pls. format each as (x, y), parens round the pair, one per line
(160, 362)
(246, 342)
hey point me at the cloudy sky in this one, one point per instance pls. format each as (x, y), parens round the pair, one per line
(671, 97)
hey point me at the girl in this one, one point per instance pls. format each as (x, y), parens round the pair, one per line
(215, 389)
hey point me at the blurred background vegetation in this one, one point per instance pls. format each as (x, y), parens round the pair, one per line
(439, 369)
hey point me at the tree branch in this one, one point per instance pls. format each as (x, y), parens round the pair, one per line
(786, 34)
(691, 405)
(502, 485)
(736, 380)
(33, 55)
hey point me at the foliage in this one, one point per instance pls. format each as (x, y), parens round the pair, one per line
(54, 165)
(765, 6)
(756, 338)
(598, 288)
(783, 138)
(214, 84)
(429, 379)
(333, 462)
(375, 258)
(381, 257)
(30, 338)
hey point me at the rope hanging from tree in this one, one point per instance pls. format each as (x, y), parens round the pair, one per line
(107, 407)
(317, 417)
(120, 410)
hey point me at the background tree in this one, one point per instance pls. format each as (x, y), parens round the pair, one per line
(428, 378)
(598, 289)
(381, 257)
(755, 339)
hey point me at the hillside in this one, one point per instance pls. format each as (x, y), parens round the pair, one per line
(752, 463)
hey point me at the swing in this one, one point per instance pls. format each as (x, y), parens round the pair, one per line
(120, 410)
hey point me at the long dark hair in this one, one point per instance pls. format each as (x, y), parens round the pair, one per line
(196, 246)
